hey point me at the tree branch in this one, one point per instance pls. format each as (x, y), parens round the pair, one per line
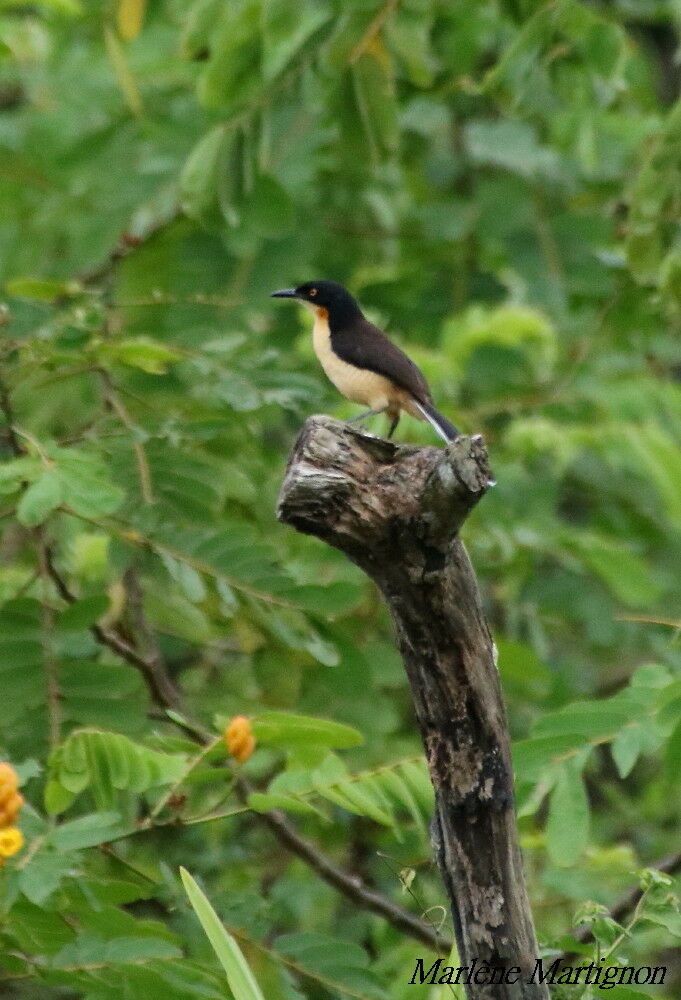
(350, 886)
(161, 686)
(127, 244)
(166, 696)
(396, 512)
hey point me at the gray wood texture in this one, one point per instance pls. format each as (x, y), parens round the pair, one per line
(396, 512)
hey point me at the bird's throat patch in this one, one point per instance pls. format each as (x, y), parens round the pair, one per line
(321, 312)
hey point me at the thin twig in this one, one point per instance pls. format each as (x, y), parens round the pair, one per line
(125, 246)
(109, 851)
(44, 458)
(191, 766)
(373, 30)
(146, 642)
(10, 433)
(121, 412)
(49, 658)
(650, 620)
(162, 690)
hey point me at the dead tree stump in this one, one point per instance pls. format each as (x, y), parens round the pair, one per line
(396, 512)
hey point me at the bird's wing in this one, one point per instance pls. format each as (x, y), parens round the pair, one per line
(365, 346)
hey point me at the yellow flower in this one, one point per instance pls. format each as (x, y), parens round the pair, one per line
(239, 738)
(11, 841)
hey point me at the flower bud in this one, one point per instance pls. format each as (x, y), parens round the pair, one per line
(239, 738)
(9, 808)
(9, 782)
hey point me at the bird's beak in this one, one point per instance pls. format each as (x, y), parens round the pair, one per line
(285, 293)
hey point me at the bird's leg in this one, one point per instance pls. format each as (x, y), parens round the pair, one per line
(393, 424)
(363, 416)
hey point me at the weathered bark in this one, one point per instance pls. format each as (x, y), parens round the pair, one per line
(396, 511)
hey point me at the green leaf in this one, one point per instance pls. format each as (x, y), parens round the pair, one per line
(567, 829)
(108, 763)
(626, 748)
(43, 875)
(335, 961)
(629, 578)
(332, 599)
(672, 757)
(40, 499)
(374, 93)
(596, 720)
(240, 978)
(126, 79)
(42, 290)
(268, 211)
(141, 352)
(86, 831)
(410, 37)
(360, 798)
(134, 949)
(668, 703)
(85, 482)
(232, 78)
(199, 178)
(318, 951)
(393, 784)
(512, 145)
(532, 757)
(624, 993)
(175, 615)
(284, 729)
(263, 802)
(668, 918)
(17, 470)
(57, 798)
(660, 455)
(83, 613)
(199, 27)
(656, 194)
(286, 29)
(108, 946)
(522, 669)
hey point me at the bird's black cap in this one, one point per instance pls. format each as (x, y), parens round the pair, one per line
(328, 294)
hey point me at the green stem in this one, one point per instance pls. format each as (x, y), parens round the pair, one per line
(195, 761)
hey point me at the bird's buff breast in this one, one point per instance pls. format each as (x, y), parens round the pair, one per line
(356, 384)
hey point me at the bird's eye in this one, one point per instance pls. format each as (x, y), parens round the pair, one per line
(312, 292)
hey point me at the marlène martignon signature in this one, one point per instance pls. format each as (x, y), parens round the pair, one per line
(484, 974)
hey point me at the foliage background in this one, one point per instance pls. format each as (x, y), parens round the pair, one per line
(499, 184)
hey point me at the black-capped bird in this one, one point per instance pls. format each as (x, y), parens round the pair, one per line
(363, 364)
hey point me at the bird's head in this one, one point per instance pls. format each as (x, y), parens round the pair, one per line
(325, 297)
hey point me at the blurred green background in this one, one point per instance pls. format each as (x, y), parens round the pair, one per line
(499, 183)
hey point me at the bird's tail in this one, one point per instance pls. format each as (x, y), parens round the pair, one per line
(439, 423)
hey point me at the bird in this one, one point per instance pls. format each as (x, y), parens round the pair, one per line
(362, 362)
